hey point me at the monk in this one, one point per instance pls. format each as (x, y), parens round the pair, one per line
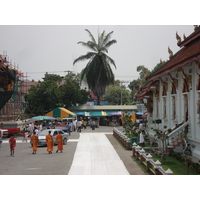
(60, 142)
(34, 139)
(49, 139)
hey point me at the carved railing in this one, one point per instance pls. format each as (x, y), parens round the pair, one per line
(176, 134)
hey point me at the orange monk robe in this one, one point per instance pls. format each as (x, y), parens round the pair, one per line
(49, 139)
(60, 142)
(34, 139)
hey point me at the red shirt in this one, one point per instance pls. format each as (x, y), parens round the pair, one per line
(12, 142)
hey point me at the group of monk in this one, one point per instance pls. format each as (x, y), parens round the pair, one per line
(49, 140)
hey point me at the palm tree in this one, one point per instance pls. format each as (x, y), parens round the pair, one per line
(98, 72)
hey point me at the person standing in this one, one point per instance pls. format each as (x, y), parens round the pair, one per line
(12, 142)
(142, 139)
(84, 124)
(31, 127)
(49, 139)
(74, 125)
(60, 142)
(69, 128)
(34, 140)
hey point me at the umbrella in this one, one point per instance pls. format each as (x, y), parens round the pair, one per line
(115, 114)
(42, 118)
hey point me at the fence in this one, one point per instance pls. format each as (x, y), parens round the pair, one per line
(140, 154)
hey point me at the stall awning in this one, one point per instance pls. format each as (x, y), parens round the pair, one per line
(78, 113)
(98, 113)
(60, 113)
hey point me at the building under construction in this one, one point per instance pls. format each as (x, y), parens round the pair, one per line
(13, 87)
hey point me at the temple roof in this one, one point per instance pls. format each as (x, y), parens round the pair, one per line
(190, 52)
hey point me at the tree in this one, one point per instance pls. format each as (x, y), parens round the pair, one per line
(71, 92)
(98, 70)
(115, 94)
(44, 97)
(55, 92)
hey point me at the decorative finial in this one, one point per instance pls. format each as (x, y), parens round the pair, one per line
(178, 38)
(170, 52)
(195, 27)
(184, 36)
(161, 62)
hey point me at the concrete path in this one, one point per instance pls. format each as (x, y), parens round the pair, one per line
(95, 155)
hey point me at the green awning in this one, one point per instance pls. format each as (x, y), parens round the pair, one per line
(98, 114)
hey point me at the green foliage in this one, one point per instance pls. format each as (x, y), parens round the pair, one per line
(98, 72)
(54, 92)
(129, 127)
(114, 94)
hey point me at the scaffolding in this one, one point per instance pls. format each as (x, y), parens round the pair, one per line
(12, 90)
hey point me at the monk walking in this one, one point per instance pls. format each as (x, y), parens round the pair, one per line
(49, 139)
(60, 142)
(34, 139)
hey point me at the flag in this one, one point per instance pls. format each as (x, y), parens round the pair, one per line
(133, 117)
(122, 117)
(145, 114)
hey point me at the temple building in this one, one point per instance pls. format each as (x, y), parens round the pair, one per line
(172, 95)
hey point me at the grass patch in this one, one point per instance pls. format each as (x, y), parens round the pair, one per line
(178, 167)
(142, 166)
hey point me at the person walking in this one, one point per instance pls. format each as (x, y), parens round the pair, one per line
(25, 134)
(69, 128)
(12, 142)
(60, 142)
(1, 140)
(34, 140)
(79, 125)
(49, 139)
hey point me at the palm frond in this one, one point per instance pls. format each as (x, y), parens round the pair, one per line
(106, 39)
(107, 45)
(89, 45)
(89, 55)
(91, 36)
(108, 59)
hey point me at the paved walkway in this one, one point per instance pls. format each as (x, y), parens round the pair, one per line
(99, 153)
(96, 156)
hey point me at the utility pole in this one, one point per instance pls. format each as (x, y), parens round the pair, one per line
(121, 82)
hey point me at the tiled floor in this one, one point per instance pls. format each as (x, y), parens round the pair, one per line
(96, 156)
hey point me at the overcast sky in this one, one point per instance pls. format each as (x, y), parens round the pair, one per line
(40, 49)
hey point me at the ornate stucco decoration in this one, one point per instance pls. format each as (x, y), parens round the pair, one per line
(197, 63)
(178, 38)
(173, 80)
(198, 83)
(170, 52)
(161, 62)
(196, 27)
(164, 84)
(187, 77)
